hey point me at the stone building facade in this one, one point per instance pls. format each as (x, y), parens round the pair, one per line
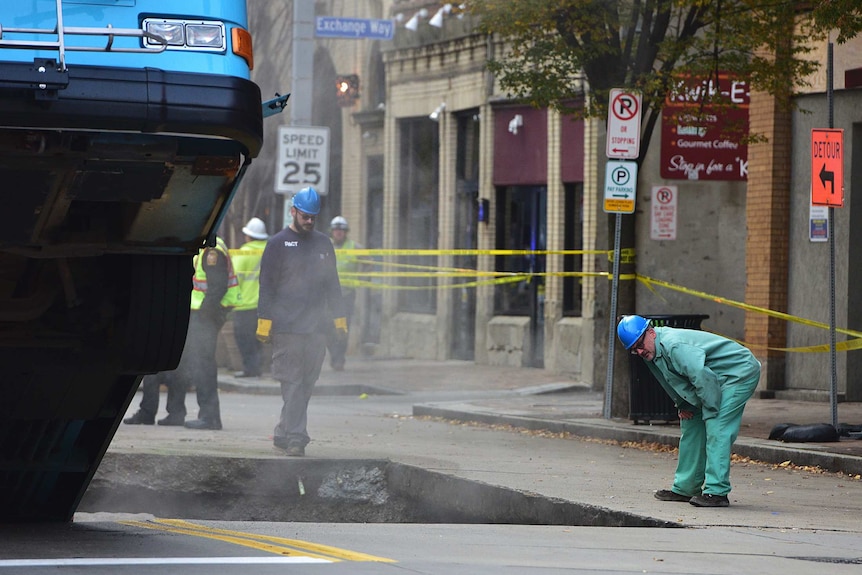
(433, 155)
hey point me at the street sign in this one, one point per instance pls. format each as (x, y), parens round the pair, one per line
(663, 221)
(303, 159)
(818, 224)
(334, 27)
(624, 125)
(621, 182)
(827, 167)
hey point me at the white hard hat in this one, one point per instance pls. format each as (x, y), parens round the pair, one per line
(338, 223)
(255, 228)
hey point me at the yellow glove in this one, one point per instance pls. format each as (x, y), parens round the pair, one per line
(340, 326)
(263, 328)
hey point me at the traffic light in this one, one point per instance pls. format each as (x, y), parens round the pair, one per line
(347, 89)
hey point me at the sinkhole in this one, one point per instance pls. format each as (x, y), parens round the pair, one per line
(324, 491)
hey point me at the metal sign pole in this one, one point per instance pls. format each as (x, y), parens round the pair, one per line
(833, 384)
(609, 384)
(621, 182)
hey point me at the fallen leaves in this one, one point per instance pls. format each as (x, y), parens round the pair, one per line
(652, 446)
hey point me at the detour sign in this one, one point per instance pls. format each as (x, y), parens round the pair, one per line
(827, 167)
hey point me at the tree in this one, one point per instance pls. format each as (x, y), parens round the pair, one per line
(842, 16)
(648, 46)
(658, 48)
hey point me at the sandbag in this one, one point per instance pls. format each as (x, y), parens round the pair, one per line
(779, 430)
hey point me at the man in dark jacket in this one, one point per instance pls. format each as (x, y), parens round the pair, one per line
(299, 293)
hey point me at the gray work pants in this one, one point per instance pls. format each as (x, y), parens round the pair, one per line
(296, 363)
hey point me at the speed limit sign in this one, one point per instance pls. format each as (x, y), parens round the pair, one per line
(303, 159)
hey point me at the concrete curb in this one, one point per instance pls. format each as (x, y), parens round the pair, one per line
(264, 386)
(760, 450)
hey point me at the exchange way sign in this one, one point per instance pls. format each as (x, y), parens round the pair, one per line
(332, 27)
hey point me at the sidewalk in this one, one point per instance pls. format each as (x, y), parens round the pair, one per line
(511, 430)
(535, 399)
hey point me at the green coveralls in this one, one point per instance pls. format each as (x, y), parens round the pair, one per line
(712, 377)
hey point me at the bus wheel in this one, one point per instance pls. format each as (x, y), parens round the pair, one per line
(158, 312)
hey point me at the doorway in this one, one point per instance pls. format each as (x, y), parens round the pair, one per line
(521, 225)
(463, 343)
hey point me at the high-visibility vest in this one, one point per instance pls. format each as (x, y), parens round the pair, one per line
(346, 262)
(199, 281)
(247, 266)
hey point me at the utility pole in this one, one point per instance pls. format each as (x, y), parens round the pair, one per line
(302, 81)
(302, 74)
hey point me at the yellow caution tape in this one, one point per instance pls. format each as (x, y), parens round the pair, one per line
(406, 252)
(627, 256)
(454, 252)
(777, 314)
(852, 344)
(484, 278)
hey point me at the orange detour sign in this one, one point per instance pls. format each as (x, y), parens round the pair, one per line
(827, 167)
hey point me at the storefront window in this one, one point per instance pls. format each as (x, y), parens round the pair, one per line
(521, 226)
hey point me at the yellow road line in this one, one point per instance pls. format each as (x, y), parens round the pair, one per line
(266, 543)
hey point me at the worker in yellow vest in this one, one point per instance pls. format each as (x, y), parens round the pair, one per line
(346, 263)
(215, 291)
(246, 263)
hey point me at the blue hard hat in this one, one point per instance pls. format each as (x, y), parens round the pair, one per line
(307, 201)
(630, 329)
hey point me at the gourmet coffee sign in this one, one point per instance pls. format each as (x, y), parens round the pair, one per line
(704, 141)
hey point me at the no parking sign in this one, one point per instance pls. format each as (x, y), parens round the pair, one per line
(663, 217)
(624, 125)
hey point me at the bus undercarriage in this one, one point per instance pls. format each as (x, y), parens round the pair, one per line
(111, 179)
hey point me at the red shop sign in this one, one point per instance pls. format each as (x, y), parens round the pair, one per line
(705, 145)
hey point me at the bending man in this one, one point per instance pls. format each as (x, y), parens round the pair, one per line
(709, 378)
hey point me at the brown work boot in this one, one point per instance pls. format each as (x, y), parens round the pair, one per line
(203, 424)
(140, 418)
(710, 500)
(173, 420)
(668, 495)
(295, 450)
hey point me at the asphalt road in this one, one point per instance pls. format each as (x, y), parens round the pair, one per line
(120, 545)
(785, 519)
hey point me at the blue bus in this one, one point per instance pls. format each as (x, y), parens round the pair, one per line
(125, 127)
